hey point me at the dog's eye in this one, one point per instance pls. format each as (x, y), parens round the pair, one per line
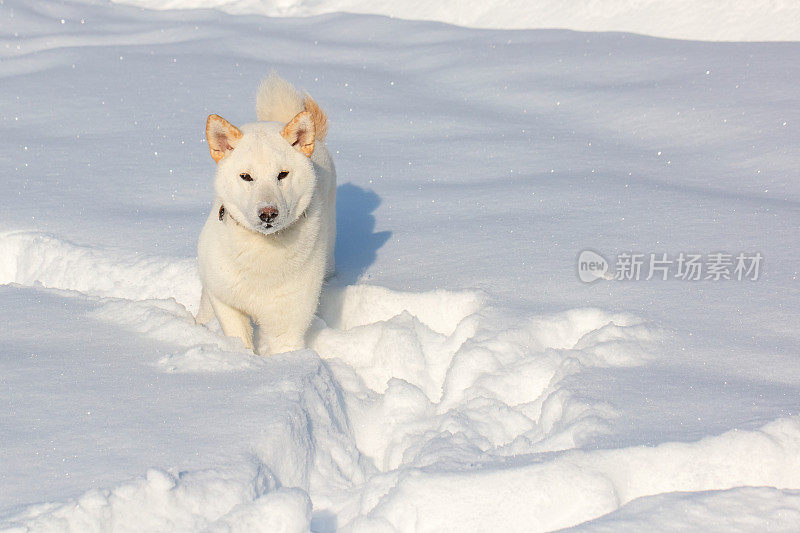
(245, 176)
(282, 174)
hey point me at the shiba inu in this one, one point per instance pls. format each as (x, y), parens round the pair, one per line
(268, 241)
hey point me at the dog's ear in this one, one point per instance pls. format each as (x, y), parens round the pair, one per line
(299, 132)
(222, 136)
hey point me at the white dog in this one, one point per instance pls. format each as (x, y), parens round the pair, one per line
(268, 241)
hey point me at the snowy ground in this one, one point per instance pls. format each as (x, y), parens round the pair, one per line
(460, 376)
(702, 20)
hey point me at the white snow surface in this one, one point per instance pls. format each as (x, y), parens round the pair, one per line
(459, 376)
(702, 20)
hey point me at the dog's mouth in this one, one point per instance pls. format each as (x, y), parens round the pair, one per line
(269, 228)
(269, 225)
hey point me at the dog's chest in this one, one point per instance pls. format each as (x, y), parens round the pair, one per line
(248, 260)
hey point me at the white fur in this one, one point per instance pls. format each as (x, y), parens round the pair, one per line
(272, 275)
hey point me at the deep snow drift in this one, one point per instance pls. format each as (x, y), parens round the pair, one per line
(459, 376)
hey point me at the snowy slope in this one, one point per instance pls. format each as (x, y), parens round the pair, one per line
(459, 376)
(702, 20)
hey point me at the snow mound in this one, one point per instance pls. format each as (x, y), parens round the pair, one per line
(740, 509)
(580, 485)
(32, 257)
(242, 499)
(484, 388)
(706, 20)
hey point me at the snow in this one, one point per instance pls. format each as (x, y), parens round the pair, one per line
(703, 20)
(740, 509)
(459, 376)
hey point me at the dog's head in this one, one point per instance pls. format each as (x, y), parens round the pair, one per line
(265, 176)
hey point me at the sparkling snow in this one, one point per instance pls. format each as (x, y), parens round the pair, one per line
(459, 375)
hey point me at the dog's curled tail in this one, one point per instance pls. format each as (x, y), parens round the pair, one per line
(279, 101)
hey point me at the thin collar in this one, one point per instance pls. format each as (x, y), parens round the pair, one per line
(223, 212)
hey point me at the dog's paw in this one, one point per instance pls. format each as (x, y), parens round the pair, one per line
(276, 346)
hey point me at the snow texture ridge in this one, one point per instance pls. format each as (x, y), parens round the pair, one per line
(739, 509)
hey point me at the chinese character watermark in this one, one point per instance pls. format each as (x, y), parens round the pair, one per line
(633, 266)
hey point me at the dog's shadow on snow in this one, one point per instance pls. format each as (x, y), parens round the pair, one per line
(356, 242)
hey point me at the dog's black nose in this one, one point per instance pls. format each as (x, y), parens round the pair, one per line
(268, 214)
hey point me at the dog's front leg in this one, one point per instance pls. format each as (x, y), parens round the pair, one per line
(206, 312)
(284, 319)
(288, 342)
(234, 323)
